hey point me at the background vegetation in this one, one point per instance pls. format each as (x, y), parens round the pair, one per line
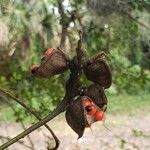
(119, 28)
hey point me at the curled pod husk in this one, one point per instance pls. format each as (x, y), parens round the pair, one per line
(53, 62)
(97, 70)
(75, 117)
(97, 95)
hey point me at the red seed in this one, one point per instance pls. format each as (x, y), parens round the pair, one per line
(48, 51)
(34, 66)
(86, 102)
(99, 115)
(92, 111)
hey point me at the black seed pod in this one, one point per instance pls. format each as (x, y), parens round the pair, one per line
(97, 95)
(53, 62)
(98, 71)
(75, 117)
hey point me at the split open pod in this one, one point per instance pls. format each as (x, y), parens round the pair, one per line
(86, 110)
(53, 62)
(97, 70)
(96, 93)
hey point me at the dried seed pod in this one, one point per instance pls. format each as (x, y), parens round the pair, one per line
(53, 62)
(86, 110)
(97, 95)
(75, 117)
(97, 70)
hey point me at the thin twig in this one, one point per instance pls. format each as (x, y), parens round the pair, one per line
(33, 113)
(134, 19)
(60, 108)
(22, 124)
(28, 136)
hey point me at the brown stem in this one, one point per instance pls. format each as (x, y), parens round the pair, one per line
(20, 142)
(79, 50)
(65, 21)
(64, 33)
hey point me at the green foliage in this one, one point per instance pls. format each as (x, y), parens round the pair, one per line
(96, 38)
(125, 55)
(126, 76)
(41, 95)
(139, 5)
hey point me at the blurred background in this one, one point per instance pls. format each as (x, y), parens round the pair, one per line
(120, 28)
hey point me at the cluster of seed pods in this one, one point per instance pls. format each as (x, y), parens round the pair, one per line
(85, 109)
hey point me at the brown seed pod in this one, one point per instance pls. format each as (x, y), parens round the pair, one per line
(53, 62)
(97, 95)
(97, 70)
(75, 117)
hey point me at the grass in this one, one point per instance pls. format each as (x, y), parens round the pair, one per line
(128, 103)
(116, 104)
